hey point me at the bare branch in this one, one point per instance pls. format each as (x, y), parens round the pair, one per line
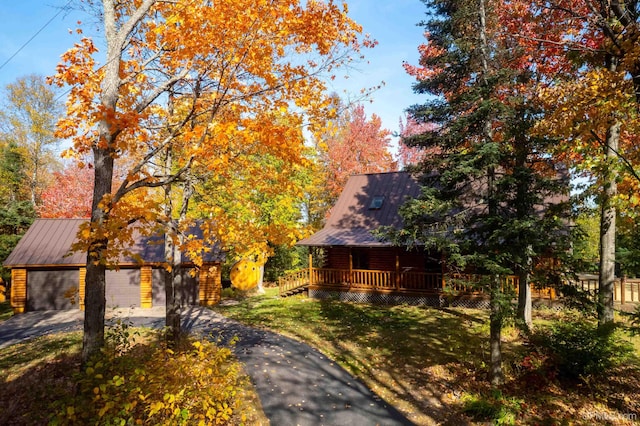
(625, 161)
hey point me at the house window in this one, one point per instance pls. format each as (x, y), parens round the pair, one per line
(360, 259)
(376, 202)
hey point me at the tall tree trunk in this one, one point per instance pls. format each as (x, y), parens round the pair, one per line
(607, 273)
(33, 186)
(172, 282)
(524, 295)
(261, 261)
(172, 273)
(95, 300)
(608, 229)
(174, 319)
(496, 375)
(523, 210)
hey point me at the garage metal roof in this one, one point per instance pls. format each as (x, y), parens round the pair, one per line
(48, 243)
(367, 202)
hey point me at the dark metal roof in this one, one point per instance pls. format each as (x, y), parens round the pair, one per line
(48, 242)
(352, 218)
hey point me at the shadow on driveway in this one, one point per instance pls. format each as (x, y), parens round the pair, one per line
(25, 326)
(38, 323)
(297, 384)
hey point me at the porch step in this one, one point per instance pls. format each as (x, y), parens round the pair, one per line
(291, 292)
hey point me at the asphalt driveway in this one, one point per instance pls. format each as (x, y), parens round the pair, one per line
(38, 323)
(297, 385)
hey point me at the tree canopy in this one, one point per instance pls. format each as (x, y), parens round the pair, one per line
(209, 83)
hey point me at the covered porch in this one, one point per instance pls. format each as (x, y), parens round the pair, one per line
(403, 275)
(409, 282)
(426, 284)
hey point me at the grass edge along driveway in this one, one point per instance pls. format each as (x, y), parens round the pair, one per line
(431, 363)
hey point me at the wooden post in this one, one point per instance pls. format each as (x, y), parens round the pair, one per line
(310, 267)
(146, 287)
(623, 288)
(210, 285)
(350, 267)
(82, 283)
(18, 290)
(397, 273)
(443, 270)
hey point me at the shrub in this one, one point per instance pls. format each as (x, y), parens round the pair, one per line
(229, 293)
(496, 408)
(120, 336)
(150, 384)
(579, 348)
(634, 319)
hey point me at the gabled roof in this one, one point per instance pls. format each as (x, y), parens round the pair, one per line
(48, 243)
(367, 202)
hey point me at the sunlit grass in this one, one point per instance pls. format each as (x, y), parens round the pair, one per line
(17, 359)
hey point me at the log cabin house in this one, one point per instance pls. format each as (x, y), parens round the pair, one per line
(46, 275)
(356, 266)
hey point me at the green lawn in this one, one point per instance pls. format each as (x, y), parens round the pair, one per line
(431, 363)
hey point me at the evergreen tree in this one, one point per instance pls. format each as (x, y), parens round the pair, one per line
(15, 219)
(13, 178)
(485, 179)
(16, 210)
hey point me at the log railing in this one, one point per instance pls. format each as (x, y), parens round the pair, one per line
(625, 290)
(423, 282)
(368, 280)
(293, 280)
(362, 279)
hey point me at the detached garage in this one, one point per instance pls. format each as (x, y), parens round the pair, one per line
(46, 275)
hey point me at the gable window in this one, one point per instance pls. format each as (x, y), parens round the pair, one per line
(376, 202)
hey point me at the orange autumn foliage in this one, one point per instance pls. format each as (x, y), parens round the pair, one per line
(210, 81)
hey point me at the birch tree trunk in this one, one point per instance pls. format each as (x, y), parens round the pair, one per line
(172, 273)
(172, 277)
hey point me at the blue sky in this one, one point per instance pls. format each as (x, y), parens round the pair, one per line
(392, 23)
